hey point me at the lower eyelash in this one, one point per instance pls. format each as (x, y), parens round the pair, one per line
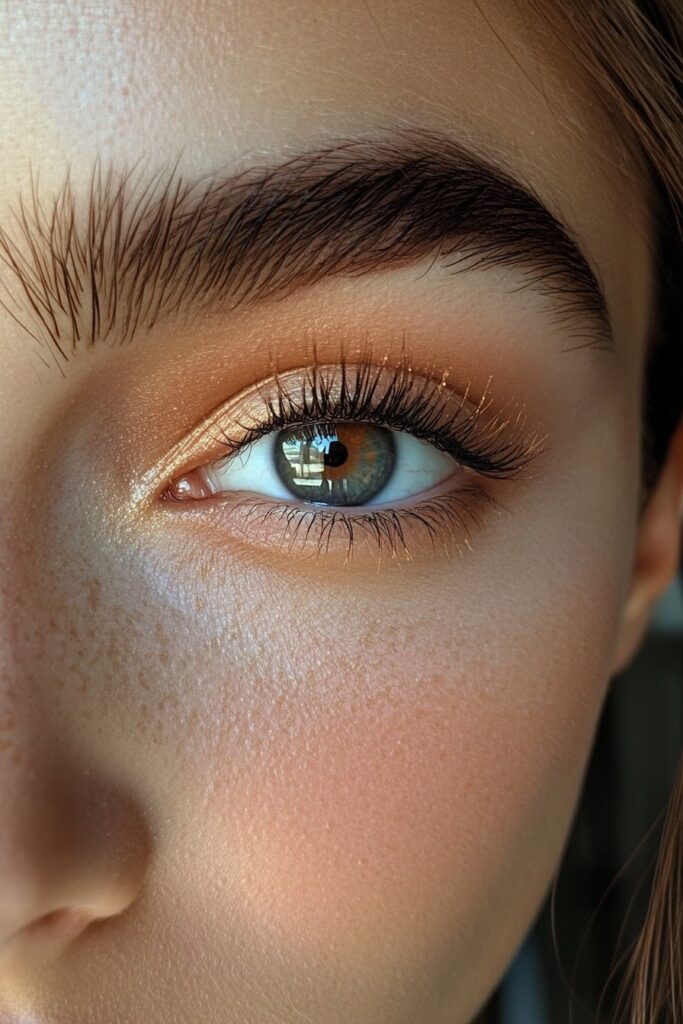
(445, 520)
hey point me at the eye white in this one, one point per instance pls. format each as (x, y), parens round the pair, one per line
(418, 467)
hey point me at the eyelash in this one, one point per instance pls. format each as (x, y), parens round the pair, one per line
(491, 447)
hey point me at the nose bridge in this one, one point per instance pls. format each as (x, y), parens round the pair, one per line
(37, 638)
(28, 778)
(15, 628)
(34, 586)
(22, 635)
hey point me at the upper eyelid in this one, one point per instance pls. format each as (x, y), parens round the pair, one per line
(507, 448)
(258, 395)
(423, 405)
(329, 380)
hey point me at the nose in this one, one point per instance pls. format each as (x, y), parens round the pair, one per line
(73, 849)
(73, 839)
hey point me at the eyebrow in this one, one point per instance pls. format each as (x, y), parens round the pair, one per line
(143, 249)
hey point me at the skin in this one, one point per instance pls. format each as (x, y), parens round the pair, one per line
(267, 787)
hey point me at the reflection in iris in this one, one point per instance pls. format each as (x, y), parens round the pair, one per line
(346, 464)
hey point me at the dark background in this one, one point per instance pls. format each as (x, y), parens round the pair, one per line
(602, 885)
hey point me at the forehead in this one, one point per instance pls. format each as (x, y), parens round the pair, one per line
(224, 85)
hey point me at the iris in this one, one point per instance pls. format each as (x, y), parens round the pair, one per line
(340, 464)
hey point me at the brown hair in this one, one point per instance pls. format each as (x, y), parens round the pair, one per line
(633, 51)
(652, 989)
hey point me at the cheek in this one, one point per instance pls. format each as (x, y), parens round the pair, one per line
(367, 780)
(364, 788)
(397, 790)
(411, 796)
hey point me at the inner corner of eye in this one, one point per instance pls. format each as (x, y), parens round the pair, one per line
(216, 476)
(191, 486)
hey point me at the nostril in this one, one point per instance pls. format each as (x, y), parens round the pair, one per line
(65, 923)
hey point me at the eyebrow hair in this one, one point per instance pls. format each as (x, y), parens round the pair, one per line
(165, 245)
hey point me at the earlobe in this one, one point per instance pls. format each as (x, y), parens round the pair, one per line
(658, 553)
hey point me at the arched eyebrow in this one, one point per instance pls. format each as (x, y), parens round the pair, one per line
(139, 250)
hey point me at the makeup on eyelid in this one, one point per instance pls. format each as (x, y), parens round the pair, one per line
(490, 343)
(378, 440)
(162, 405)
(394, 393)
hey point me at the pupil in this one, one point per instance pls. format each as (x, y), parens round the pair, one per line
(346, 464)
(336, 454)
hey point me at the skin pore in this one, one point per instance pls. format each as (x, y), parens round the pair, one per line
(266, 781)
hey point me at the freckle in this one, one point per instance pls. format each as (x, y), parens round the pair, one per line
(125, 91)
(144, 718)
(94, 587)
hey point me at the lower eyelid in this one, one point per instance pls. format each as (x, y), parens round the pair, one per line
(442, 522)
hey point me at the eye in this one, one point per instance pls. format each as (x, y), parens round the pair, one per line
(340, 464)
(324, 454)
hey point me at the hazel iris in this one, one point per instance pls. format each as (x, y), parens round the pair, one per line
(339, 464)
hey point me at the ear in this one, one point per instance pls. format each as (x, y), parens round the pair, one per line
(657, 555)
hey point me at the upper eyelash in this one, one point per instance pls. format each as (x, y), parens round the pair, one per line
(496, 447)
